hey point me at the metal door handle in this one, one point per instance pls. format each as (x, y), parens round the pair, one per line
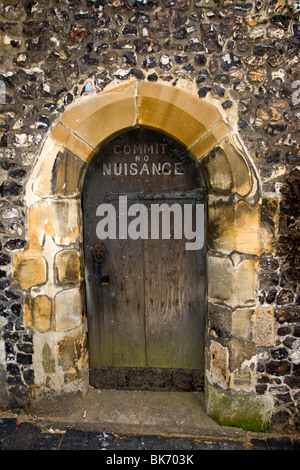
(98, 253)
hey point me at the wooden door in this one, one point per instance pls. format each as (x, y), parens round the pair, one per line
(143, 202)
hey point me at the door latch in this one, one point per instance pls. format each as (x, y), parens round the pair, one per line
(98, 253)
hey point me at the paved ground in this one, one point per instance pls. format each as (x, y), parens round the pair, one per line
(129, 421)
(29, 436)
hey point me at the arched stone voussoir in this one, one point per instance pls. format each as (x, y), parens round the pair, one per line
(231, 172)
(179, 114)
(95, 119)
(245, 178)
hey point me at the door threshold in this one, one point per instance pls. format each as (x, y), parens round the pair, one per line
(146, 378)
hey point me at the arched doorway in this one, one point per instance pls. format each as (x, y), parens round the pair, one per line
(145, 264)
(50, 269)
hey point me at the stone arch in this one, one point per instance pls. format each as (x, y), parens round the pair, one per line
(51, 270)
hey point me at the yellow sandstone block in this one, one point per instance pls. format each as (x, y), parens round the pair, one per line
(67, 267)
(41, 312)
(29, 268)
